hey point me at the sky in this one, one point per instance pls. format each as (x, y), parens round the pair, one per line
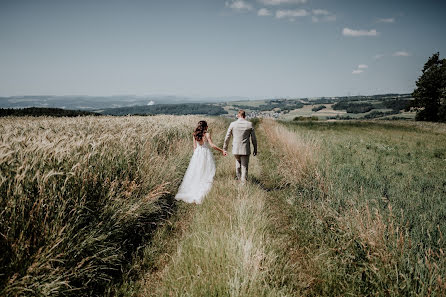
(217, 48)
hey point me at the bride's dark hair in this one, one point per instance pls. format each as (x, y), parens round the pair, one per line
(200, 130)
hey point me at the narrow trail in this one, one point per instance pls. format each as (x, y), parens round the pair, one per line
(227, 248)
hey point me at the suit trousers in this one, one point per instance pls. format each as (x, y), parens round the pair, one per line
(241, 166)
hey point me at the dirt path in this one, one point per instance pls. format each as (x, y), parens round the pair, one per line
(225, 250)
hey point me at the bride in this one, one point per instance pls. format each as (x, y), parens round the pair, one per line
(198, 178)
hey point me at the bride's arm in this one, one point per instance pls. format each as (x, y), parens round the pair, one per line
(195, 142)
(208, 136)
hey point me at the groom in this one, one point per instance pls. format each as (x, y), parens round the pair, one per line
(241, 130)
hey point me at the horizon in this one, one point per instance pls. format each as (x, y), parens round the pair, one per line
(255, 49)
(242, 98)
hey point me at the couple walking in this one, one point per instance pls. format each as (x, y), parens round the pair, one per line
(199, 175)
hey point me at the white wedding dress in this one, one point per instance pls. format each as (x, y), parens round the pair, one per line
(197, 180)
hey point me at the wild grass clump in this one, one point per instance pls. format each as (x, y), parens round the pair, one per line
(80, 195)
(295, 156)
(367, 217)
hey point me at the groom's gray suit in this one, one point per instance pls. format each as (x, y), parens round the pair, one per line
(241, 130)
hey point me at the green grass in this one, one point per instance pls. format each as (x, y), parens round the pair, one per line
(393, 166)
(370, 216)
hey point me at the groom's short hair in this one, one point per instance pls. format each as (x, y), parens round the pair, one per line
(242, 113)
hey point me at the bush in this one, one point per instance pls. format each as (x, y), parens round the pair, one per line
(353, 107)
(317, 108)
(313, 118)
(397, 104)
(377, 114)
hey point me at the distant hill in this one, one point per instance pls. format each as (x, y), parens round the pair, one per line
(103, 102)
(38, 111)
(345, 107)
(73, 102)
(173, 109)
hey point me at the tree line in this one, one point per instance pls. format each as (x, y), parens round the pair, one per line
(284, 105)
(44, 111)
(172, 109)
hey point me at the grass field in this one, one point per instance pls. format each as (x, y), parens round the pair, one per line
(331, 209)
(371, 212)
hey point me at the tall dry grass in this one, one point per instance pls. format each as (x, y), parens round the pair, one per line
(296, 153)
(80, 195)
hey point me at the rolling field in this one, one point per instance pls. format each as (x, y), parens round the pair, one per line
(331, 209)
(328, 112)
(307, 112)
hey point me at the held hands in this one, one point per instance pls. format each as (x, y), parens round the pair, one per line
(254, 153)
(225, 153)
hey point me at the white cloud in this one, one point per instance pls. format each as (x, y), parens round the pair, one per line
(279, 2)
(288, 13)
(322, 15)
(401, 54)
(321, 12)
(360, 69)
(238, 5)
(379, 56)
(263, 12)
(387, 20)
(358, 33)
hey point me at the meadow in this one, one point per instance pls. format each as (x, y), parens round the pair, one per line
(331, 209)
(366, 201)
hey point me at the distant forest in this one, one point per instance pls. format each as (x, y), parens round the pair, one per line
(173, 109)
(43, 111)
(396, 104)
(284, 105)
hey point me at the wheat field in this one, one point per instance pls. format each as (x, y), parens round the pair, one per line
(330, 209)
(80, 195)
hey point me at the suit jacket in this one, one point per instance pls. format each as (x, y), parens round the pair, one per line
(241, 130)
